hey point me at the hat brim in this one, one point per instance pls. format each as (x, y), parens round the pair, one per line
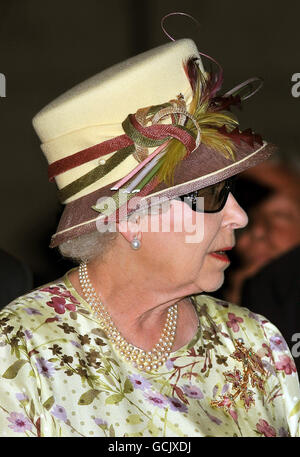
(199, 169)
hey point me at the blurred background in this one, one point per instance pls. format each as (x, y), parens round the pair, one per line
(48, 47)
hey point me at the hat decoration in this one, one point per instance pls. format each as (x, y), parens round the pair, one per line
(208, 121)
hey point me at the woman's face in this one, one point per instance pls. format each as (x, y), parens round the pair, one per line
(188, 254)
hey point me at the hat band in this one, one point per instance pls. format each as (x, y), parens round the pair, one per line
(136, 135)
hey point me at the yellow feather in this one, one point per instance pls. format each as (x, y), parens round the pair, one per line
(208, 121)
(215, 140)
(175, 153)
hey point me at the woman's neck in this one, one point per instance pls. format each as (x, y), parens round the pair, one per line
(137, 305)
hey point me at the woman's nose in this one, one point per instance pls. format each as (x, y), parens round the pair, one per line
(234, 215)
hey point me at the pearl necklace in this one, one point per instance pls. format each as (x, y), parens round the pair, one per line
(143, 360)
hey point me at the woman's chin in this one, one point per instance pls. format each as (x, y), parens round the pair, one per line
(214, 283)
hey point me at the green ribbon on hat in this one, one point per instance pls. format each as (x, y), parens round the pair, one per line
(138, 138)
(94, 175)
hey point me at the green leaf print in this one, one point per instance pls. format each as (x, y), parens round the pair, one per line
(296, 409)
(32, 410)
(134, 419)
(88, 397)
(113, 361)
(106, 365)
(17, 351)
(114, 399)
(112, 431)
(48, 403)
(128, 387)
(13, 370)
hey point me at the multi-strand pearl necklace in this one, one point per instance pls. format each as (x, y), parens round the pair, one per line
(143, 360)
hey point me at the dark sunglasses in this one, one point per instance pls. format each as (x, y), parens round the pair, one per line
(214, 196)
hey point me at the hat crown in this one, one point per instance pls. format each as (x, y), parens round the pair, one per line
(150, 78)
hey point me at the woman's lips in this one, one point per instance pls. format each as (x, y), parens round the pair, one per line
(221, 255)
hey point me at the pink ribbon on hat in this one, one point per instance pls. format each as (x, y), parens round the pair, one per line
(86, 155)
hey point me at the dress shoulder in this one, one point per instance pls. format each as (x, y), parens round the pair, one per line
(234, 317)
(49, 301)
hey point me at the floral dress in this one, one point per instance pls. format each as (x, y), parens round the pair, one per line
(60, 376)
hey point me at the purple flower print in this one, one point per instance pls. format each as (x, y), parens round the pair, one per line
(19, 423)
(28, 334)
(278, 343)
(32, 311)
(61, 292)
(224, 389)
(59, 412)
(68, 295)
(214, 419)
(234, 415)
(254, 316)
(76, 344)
(177, 405)
(35, 296)
(156, 399)
(286, 364)
(193, 391)
(169, 364)
(282, 432)
(59, 304)
(264, 428)
(54, 290)
(234, 322)
(268, 367)
(100, 422)
(21, 397)
(44, 367)
(139, 382)
(215, 390)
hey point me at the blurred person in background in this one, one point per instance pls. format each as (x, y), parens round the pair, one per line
(266, 278)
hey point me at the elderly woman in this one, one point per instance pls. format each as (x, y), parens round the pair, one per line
(127, 344)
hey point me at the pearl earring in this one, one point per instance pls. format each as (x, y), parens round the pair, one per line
(135, 243)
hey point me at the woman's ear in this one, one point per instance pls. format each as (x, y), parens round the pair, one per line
(130, 228)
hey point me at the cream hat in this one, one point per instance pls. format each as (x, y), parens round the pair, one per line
(100, 131)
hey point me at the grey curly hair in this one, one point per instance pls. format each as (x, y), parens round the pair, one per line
(87, 247)
(96, 244)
